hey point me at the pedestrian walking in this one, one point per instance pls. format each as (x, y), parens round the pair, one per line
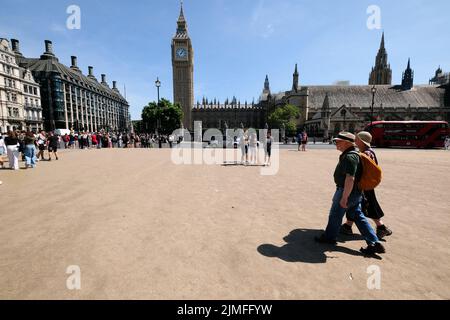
(304, 140)
(30, 150)
(71, 141)
(299, 140)
(94, 141)
(53, 141)
(253, 146)
(347, 198)
(370, 205)
(12, 147)
(125, 140)
(244, 147)
(268, 149)
(171, 139)
(447, 143)
(3, 150)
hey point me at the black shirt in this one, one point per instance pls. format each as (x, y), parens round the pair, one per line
(53, 141)
(348, 165)
(11, 141)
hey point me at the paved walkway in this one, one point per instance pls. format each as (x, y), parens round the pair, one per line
(140, 227)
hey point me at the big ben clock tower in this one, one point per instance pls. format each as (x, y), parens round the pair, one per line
(183, 70)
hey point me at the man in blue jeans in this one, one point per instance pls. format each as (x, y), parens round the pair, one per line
(347, 197)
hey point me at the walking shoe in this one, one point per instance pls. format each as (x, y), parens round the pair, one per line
(346, 229)
(323, 239)
(371, 250)
(383, 231)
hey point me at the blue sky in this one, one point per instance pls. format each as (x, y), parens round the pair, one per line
(236, 42)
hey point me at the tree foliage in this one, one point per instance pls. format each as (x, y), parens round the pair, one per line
(167, 115)
(285, 116)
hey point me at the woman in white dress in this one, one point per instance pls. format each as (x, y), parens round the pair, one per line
(253, 143)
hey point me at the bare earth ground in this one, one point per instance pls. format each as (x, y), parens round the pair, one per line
(140, 227)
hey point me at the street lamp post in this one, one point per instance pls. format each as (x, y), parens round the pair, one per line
(158, 85)
(374, 90)
(158, 124)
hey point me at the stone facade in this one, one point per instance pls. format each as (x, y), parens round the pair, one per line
(326, 110)
(20, 101)
(183, 70)
(229, 115)
(72, 100)
(382, 73)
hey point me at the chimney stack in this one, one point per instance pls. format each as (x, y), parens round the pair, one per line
(15, 45)
(114, 84)
(104, 80)
(74, 61)
(91, 73)
(48, 47)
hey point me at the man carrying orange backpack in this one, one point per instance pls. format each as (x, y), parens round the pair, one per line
(348, 197)
(370, 205)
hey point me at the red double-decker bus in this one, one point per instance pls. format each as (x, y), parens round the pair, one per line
(411, 134)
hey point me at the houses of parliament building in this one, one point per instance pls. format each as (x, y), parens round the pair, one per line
(324, 110)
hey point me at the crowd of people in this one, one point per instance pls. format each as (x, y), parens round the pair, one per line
(30, 147)
(249, 144)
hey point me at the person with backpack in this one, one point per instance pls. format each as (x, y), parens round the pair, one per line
(370, 205)
(348, 197)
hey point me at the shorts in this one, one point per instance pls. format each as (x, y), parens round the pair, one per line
(304, 142)
(41, 147)
(52, 148)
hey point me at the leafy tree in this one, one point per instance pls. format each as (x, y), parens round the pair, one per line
(286, 115)
(137, 126)
(166, 114)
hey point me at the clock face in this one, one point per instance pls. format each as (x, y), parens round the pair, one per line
(181, 53)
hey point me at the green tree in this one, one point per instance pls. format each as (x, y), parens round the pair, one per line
(137, 126)
(168, 115)
(286, 115)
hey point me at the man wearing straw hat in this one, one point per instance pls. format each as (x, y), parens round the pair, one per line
(347, 198)
(371, 207)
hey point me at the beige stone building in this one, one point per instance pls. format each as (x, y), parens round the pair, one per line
(20, 106)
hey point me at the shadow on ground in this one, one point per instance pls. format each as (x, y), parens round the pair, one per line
(301, 247)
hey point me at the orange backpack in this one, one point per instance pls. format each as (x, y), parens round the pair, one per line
(371, 175)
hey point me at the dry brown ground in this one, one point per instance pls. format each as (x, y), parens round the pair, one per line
(141, 227)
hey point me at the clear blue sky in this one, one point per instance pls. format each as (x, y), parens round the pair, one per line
(236, 42)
